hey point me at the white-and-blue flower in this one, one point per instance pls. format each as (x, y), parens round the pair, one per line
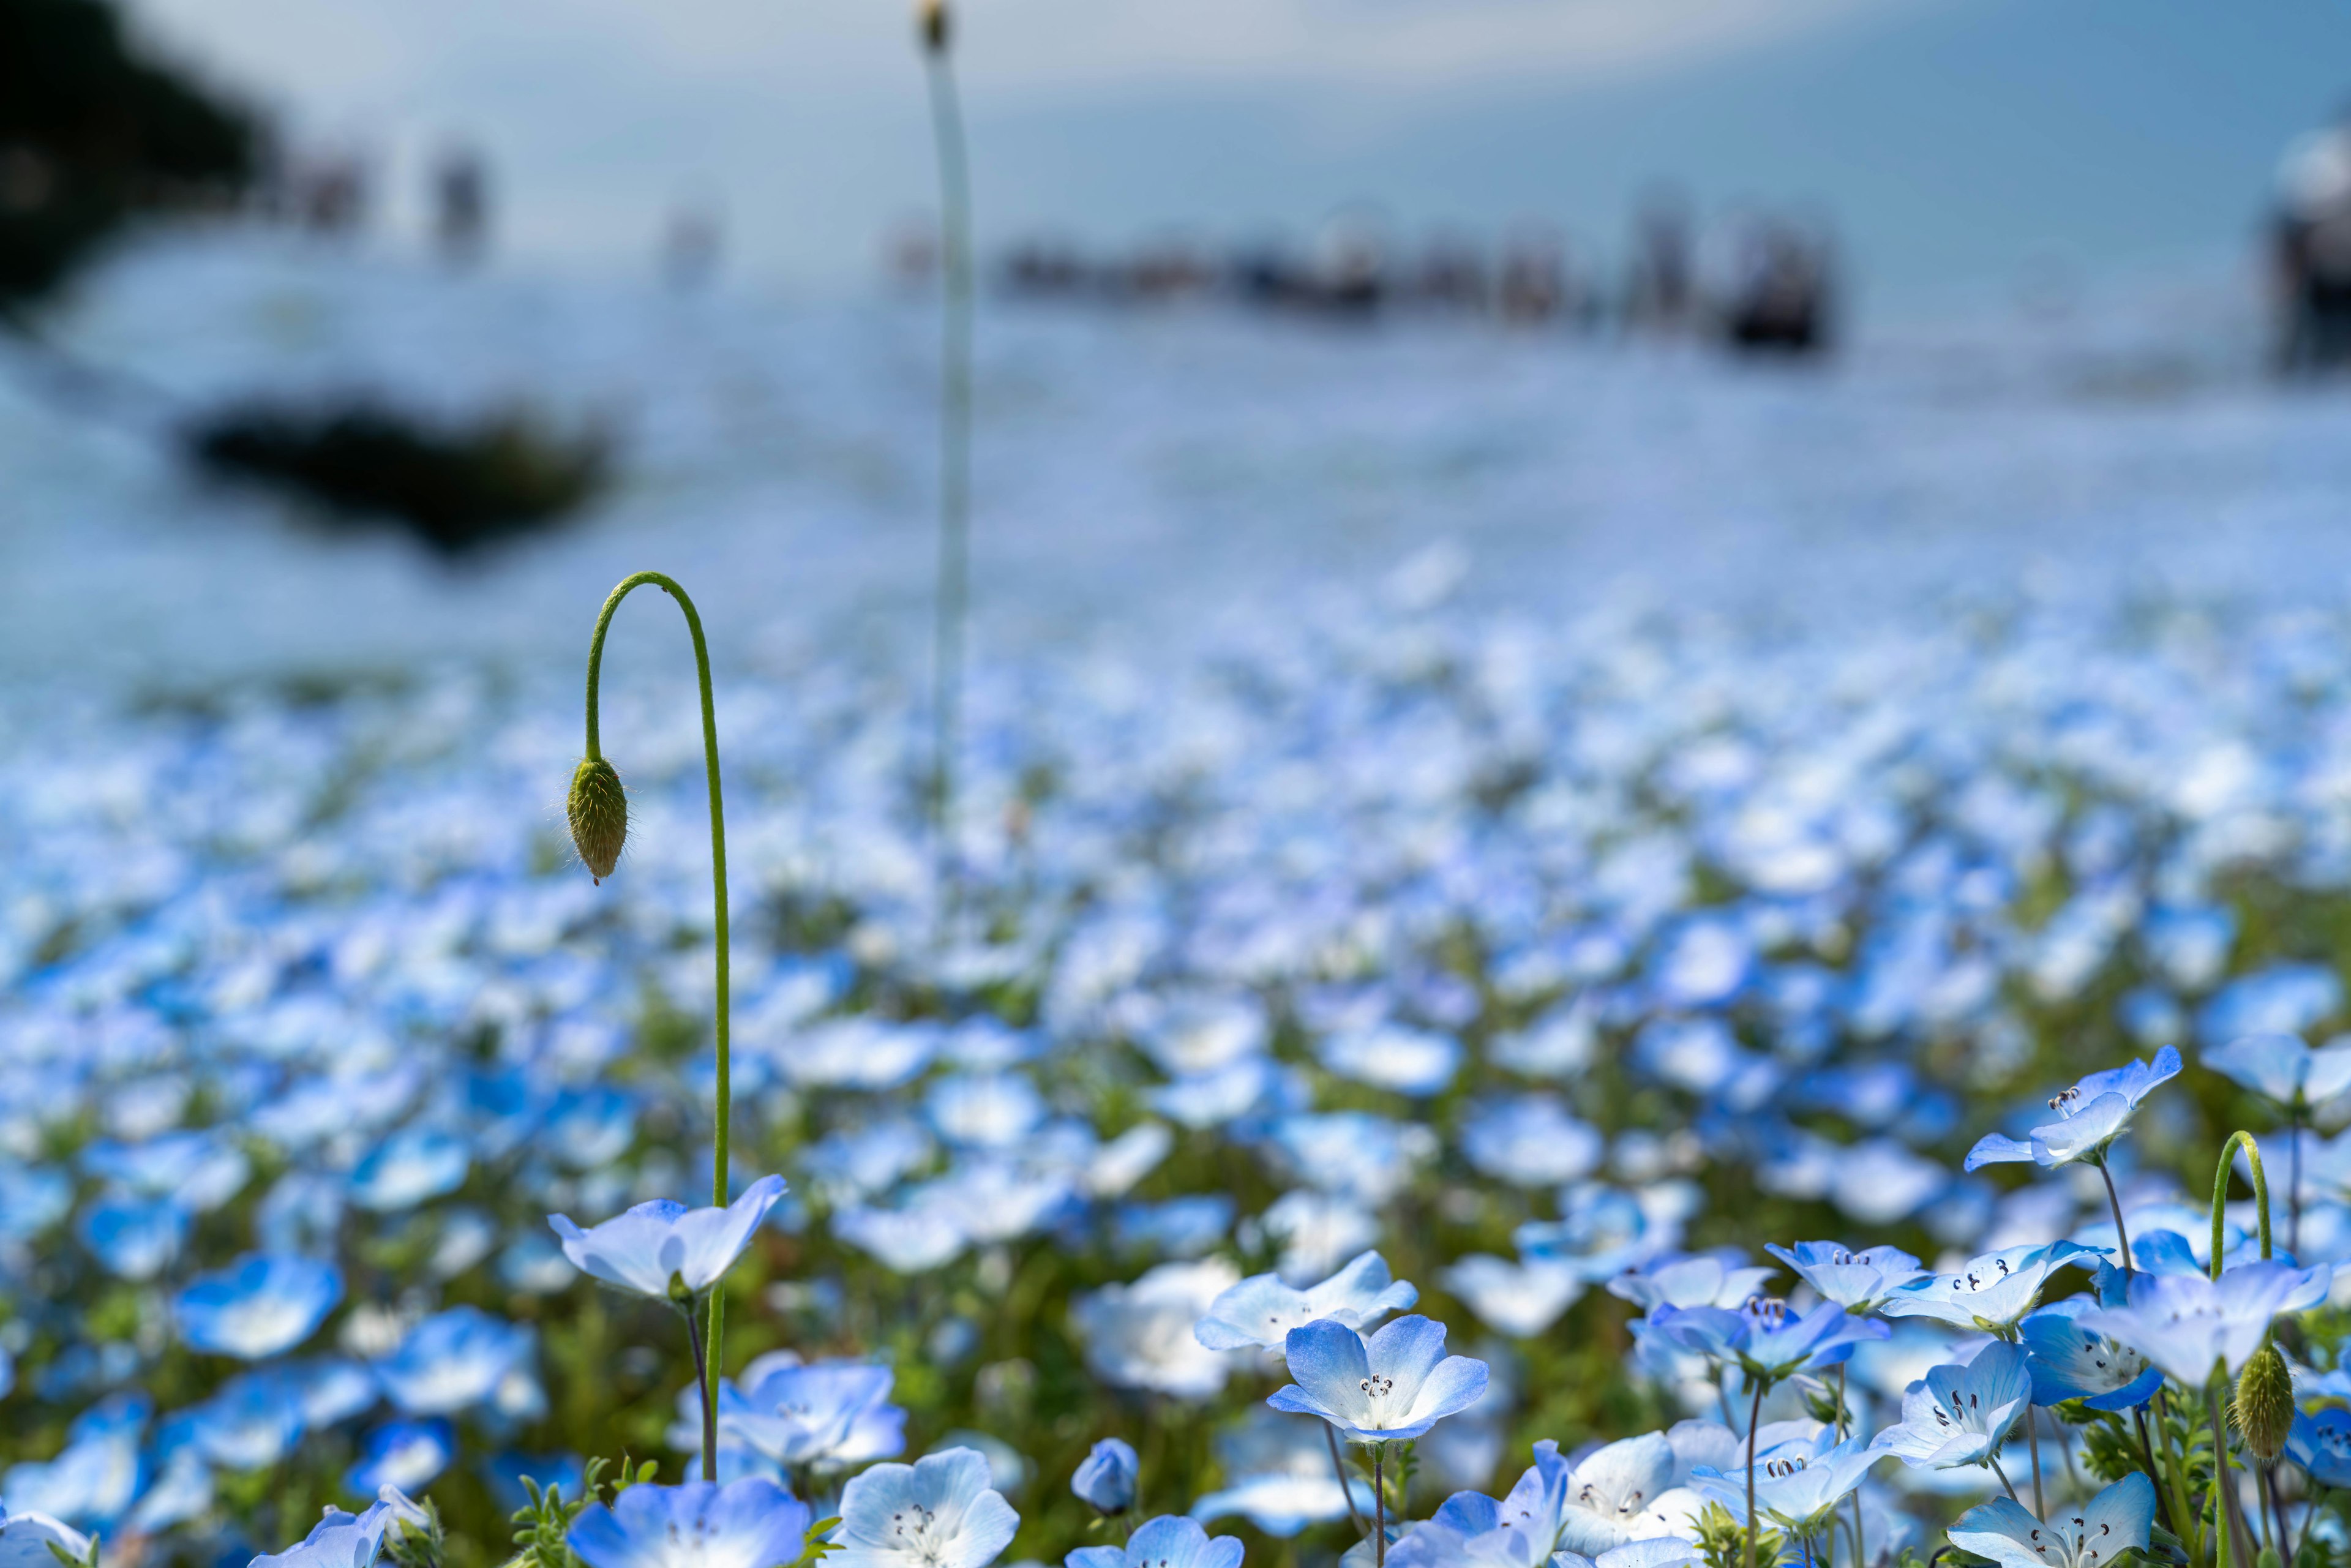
(2282, 1068)
(665, 1249)
(822, 1414)
(262, 1305)
(2068, 1361)
(1991, 1292)
(2090, 1536)
(2091, 1115)
(1397, 1384)
(454, 1361)
(1170, 1540)
(1960, 1415)
(1798, 1484)
(2186, 1324)
(1106, 1479)
(1854, 1280)
(938, 1512)
(749, 1523)
(1763, 1338)
(2320, 1445)
(1260, 1310)
(339, 1539)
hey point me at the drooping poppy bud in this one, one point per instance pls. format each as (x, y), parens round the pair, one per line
(2264, 1405)
(599, 809)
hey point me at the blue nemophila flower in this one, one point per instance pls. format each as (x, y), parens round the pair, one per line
(98, 1474)
(1702, 1280)
(2091, 1535)
(1762, 1338)
(1518, 1299)
(2070, 1361)
(452, 1361)
(136, 1237)
(749, 1523)
(1106, 1479)
(1530, 1140)
(1855, 1280)
(26, 1538)
(262, 1305)
(339, 1539)
(1621, 1492)
(1991, 1292)
(1168, 1542)
(403, 1455)
(2320, 1445)
(1798, 1484)
(411, 1165)
(665, 1249)
(2090, 1116)
(1262, 1310)
(2186, 1323)
(1961, 1415)
(2284, 1069)
(938, 1512)
(822, 1413)
(1397, 1384)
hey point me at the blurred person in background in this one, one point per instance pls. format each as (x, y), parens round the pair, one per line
(2310, 251)
(461, 205)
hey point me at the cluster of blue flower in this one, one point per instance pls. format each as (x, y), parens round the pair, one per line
(1448, 941)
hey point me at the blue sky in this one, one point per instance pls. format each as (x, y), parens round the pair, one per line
(1949, 139)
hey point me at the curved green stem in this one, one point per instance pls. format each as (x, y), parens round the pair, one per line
(955, 460)
(1755, 1413)
(718, 1186)
(2221, 1191)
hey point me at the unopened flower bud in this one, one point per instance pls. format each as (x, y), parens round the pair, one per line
(599, 809)
(2264, 1405)
(932, 18)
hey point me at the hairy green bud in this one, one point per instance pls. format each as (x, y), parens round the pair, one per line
(599, 809)
(2265, 1404)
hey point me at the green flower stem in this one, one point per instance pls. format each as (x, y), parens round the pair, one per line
(2176, 1464)
(2221, 1191)
(2147, 1451)
(713, 1360)
(2229, 1530)
(1339, 1469)
(954, 457)
(2033, 1452)
(1755, 1413)
(1379, 1505)
(2115, 1203)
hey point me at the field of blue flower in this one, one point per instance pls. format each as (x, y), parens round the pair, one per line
(1399, 1077)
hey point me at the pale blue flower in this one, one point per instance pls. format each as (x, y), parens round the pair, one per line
(2320, 1445)
(938, 1512)
(454, 1361)
(26, 1537)
(2090, 1116)
(1763, 1338)
(339, 1539)
(751, 1524)
(1105, 1479)
(262, 1305)
(1855, 1280)
(1530, 1140)
(250, 1423)
(1799, 1484)
(2091, 1535)
(1622, 1491)
(1412, 1061)
(136, 1238)
(1961, 1415)
(821, 1413)
(1518, 1299)
(1397, 1384)
(1262, 1310)
(404, 1455)
(988, 1111)
(98, 1474)
(2071, 1362)
(1167, 1541)
(1140, 1335)
(411, 1165)
(2185, 1323)
(1703, 1280)
(665, 1249)
(2284, 1069)
(1991, 1292)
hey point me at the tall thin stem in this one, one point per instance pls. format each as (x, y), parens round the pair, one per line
(1994, 1462)
(1754, 1415)
(2121, 1233)
(2032, 1451)
(1379, 1505)
(955, 454)
(2221, 1191)
(709, 1405)
(2231, 1527)
(2146, 1449)
(2293, 1181)
(1339, 1469)
(2176, 1464)
(709, 1361)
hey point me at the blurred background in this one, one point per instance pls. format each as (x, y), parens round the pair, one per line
(354, 334)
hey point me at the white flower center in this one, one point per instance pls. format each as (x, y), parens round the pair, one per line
(916, 1531)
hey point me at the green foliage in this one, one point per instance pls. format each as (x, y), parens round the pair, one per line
(543, 1526)
(412, 1543)
(819, 1548)
(1722, 1540)
(87, 1560)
